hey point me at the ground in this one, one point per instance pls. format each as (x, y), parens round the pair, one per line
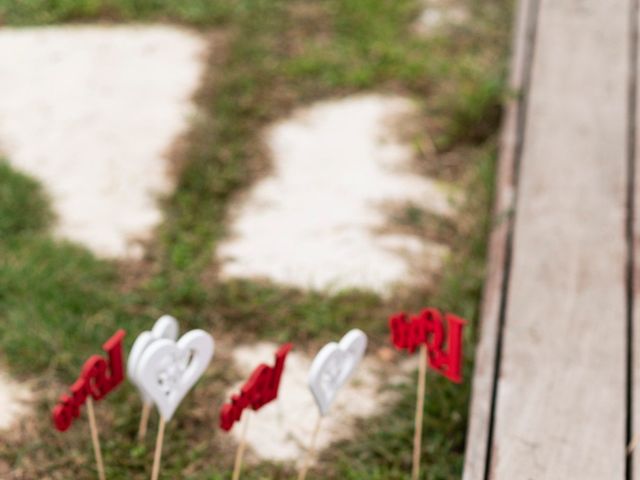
(339, 168)
(59, 301)
(105, 103)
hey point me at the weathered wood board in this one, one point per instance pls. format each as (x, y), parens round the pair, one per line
(635, 341)
(480, 410)
(560, 410)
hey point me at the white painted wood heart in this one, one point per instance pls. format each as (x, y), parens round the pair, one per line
(167, 369)
(165, 327)
(333, 366)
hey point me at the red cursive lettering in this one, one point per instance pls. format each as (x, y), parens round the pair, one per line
(428, 328)
(97, 379)
(261, 388)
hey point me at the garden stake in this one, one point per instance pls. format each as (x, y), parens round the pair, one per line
(158, 453)
(166, 327)
(144, 421)
(95, 439)
(311, 451)
(427, 330)
(240, 452)
(417, 437)
(166, 371)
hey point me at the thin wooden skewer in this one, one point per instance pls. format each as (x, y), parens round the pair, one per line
(158, 454)
(144, 421)
(95, 439)
(311, 451)
(240, 452)
(417, 436)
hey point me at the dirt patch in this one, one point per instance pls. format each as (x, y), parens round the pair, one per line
(315, 221)
(281, 430)
(439, 14)
(15, 399)
(93, 114)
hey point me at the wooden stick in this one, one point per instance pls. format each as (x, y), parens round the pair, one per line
(144, 421)
(158, 454)
(95, 439)
(633, 444)
(240, 452)
(311, 451)
(417, 436)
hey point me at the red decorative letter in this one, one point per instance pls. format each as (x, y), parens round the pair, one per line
(93, 381)
(261, 388)
(428, 328)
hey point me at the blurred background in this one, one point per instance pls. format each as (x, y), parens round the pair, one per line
(268, 171)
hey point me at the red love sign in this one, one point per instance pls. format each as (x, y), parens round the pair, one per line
(261, 388)
(97, 379)
(427, 327)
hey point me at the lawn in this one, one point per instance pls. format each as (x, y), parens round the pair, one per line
(58, 302)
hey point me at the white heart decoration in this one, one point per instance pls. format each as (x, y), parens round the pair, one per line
(167, 369)
(165, 327)
(333, 366)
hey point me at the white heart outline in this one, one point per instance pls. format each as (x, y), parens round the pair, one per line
(333, 366)
(198, 345)
(165, 327)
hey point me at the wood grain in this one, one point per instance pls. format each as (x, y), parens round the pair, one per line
(560, 409)
(635, 427)
(482, 388)
(95, 439)
(157, 456)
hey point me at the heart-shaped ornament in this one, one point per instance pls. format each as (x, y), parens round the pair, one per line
(165, 327)
(333, 366)
(167, 369)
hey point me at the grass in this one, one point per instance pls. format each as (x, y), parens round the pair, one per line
(45, 12)
(380, 450)
(58, 302)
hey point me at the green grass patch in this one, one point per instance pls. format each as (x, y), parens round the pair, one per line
(46, 12)
(56, 300)
(24, 210)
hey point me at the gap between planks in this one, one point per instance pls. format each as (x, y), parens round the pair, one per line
(487, 359)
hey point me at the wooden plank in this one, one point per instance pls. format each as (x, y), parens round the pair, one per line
(560, 411)
(635, 344)
(482, 388)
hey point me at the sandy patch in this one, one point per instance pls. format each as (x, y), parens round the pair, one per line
(14, 398)
(316, 220)
(92, 112)
(281, 430)
(438, 14)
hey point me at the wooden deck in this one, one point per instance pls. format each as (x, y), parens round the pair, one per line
(556, 374)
